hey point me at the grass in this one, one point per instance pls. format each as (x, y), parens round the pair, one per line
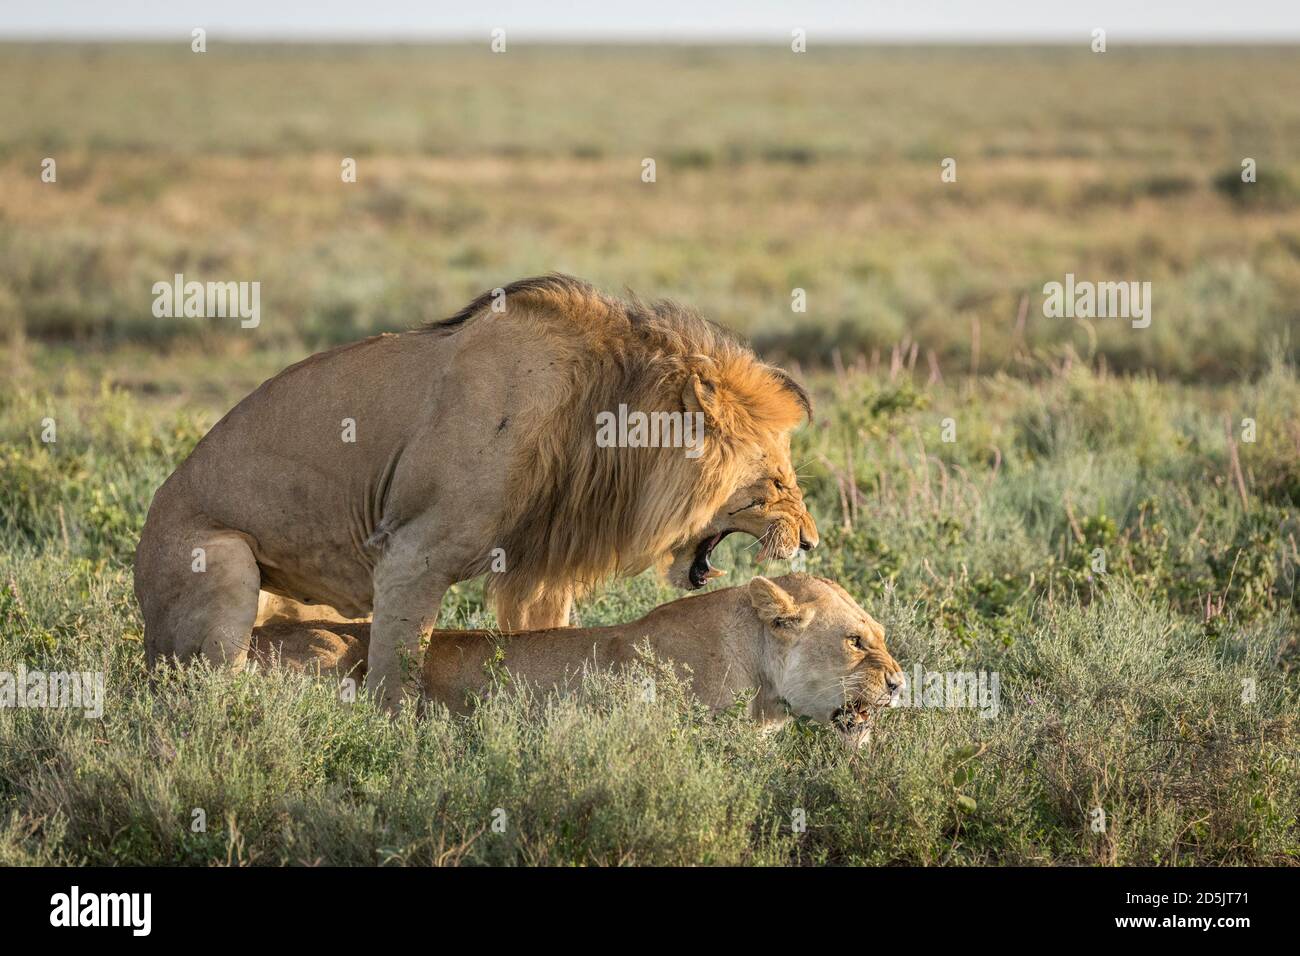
(1122, 690)
(1074, 446)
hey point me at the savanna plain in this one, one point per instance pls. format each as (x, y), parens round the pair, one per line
(1113, 527)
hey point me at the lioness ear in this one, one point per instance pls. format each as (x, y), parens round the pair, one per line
(775, 607)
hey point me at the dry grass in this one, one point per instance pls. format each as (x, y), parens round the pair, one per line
(1120, 690)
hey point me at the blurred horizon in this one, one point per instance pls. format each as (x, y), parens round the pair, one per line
(644, 42)
(775, 172)
(826, 22)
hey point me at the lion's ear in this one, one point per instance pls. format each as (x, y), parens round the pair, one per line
(775, 607)
(720, 409)
(699, 396)
(767, 400)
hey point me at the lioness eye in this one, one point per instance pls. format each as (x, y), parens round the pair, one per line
(777, 485)
(856, 642)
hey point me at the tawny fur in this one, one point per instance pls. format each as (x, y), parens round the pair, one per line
(800, 644)
(474, 438)
(581, 513)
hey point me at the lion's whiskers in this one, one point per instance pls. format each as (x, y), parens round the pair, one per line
(761, 539)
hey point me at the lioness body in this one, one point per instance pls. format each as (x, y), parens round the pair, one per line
(371, 477)
(791, 640)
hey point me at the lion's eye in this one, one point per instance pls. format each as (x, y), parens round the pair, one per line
(856, 641)
(777, 485)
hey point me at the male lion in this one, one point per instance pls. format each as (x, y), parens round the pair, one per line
(375, 475)
(801, 642)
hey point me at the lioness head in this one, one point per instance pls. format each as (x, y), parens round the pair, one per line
(824, 656)
(760, 493)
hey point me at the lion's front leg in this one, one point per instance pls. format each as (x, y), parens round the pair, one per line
(552, 609)
(407, 598)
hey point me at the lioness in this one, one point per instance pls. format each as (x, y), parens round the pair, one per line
(375, 475)
(801, 642)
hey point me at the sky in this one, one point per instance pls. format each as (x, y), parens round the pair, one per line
(826, 21)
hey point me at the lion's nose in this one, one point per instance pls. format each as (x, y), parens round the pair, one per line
(894, 682)
(808, 536)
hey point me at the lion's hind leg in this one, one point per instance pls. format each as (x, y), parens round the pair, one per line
(198, 591)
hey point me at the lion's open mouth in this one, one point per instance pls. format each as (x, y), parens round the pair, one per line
(860, 714)
(849, 716)
(854, 723)
(857, 716)
(701, 571)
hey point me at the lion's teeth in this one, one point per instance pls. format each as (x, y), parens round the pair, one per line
(712, 573)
